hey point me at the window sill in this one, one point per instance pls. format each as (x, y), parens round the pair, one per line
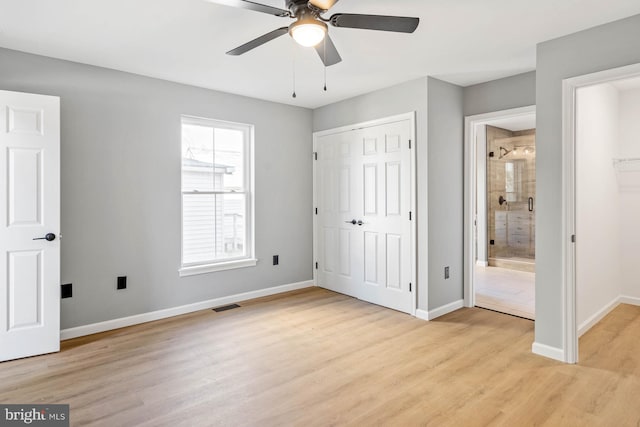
(219, 266)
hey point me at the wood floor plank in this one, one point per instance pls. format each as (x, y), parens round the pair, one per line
(316, 358)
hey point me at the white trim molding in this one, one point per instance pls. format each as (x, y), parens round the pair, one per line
(570, 332)
(602, 313)
(219, 266)
(422, 314)
(376, 122)
(629, 300)
(554, 353)
(470, 188)
(569, 285)
(445, 309)
(137, 319)
(598, 316)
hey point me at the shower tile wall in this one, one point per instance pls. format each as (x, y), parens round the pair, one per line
(511, 225)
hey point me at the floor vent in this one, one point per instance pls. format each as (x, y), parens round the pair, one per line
(226, 307)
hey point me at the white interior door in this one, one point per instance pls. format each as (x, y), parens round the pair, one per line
(364, 229)
(30, 197)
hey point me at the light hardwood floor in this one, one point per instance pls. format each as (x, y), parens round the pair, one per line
(316, 358)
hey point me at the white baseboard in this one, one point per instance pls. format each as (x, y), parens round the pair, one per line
(591, 321)
(445, 309)
(108, 325)
(482, 263)
(630, 300)
(598, 316)
(548, 351)
(422, 314)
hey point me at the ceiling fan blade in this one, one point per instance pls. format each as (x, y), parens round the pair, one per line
(245, 4)
(398, 24)
(330, 56)
(258, 41)
(323, 4)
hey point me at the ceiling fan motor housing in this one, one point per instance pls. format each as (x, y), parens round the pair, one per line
(299, 8)
(302, 10)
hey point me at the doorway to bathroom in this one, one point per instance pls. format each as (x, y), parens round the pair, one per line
(500, 200)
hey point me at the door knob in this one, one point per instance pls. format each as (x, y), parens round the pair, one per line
(353, 221)
(360, 222)
(48, 237)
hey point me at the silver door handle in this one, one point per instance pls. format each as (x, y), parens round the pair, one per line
(360, 222)
(353, 221)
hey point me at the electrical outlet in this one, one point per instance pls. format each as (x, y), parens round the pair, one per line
(446, 272)
(122, 282)
(66, 290)
(276, 259)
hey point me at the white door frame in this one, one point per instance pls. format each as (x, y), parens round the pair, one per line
(470, 188)
(569, 88)
(386, 120)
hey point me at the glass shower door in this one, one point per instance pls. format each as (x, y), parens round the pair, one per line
(511, 197)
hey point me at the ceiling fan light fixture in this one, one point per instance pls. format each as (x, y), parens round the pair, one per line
(308, 32)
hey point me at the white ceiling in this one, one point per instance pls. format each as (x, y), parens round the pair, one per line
(460, 41)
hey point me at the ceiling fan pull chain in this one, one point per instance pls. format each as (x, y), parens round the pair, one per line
(325, 64)
(294, 72)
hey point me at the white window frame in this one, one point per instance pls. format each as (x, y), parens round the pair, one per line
(249, 259)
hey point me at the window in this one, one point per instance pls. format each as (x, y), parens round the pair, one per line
(217, 196)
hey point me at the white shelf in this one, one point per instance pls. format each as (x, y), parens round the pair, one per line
(628, 173)
(627, 165)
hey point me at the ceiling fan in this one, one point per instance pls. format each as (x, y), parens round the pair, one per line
(310, 27)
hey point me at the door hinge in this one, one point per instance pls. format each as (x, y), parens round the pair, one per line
(316, 265)
(410, 216)
(315, 155)
(409, 144)
(410, 287)
(573, 238)
(316, 211)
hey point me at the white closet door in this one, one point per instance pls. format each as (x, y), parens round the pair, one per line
(363, 188)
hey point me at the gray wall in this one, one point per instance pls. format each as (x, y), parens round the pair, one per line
(121, 186)
(597, 49)
(446, 163)
(503, 94)
(399, 99)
